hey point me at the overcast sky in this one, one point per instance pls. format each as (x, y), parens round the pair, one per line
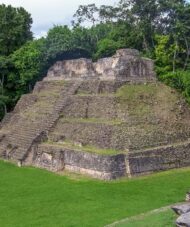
(46, 13)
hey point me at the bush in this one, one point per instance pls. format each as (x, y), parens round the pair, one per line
(106, 48)
(179, 80)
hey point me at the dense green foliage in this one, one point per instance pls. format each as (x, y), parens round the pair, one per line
(179, 80)
(158, 29)
(15, 24)
(33, 197)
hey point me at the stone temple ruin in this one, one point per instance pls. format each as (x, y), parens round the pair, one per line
(106, 119)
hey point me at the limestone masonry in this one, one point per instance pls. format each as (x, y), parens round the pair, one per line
(106, 119)
(126, 64)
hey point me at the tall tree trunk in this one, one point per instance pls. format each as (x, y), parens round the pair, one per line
(175, 56)
(145, 45)
(2, 84)
(187, 54)
(152, 39)
(5, 108)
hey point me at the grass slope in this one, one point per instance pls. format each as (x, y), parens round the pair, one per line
(158, 219)
(146, 100)
(84, 148)
(34, 197)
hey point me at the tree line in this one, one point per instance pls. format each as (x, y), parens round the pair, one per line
(159, 29)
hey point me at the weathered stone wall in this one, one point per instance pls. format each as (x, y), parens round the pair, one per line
(91, 107)
(99, 87)
(99, 166)
(99, 135)
(48, 157)
(126, 64)
(158, 159)
(114, 135)
(56, 158)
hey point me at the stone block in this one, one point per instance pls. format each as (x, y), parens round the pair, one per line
(181, 209)
(125, 65)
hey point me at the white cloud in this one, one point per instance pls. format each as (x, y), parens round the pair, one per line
(41, 34)
(45, 13)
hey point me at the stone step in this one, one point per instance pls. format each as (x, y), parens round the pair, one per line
(23, 131)
(20, 140)
(22, 137)
(24, 134)
(186, 142)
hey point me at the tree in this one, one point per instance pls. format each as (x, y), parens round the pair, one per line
(15, 24)
(174, 22)
(108, 14)
(181, 33)
(164, 52)
(144, 14)
(29, 63)
(86, 13)
(5, 68)
(107, 47)
(82, 39)
(59, 39)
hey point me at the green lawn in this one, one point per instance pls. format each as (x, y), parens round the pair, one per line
(157, 219)
(34, 197)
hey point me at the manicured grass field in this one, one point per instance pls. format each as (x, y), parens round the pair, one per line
(32, 197)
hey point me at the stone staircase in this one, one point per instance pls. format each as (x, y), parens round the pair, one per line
(30, 125)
